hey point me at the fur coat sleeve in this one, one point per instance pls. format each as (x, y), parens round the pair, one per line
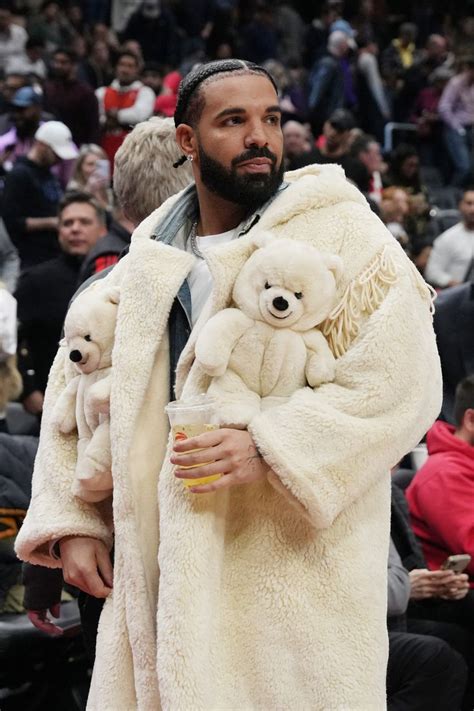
(54, 512)
(342, 436)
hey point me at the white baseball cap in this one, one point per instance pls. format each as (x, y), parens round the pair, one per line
(58, 137)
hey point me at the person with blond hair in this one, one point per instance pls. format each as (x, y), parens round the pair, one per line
(142, 185)
(91, 174)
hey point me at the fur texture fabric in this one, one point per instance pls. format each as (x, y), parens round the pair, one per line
(84, 404)
(267, 347)
(271, 595)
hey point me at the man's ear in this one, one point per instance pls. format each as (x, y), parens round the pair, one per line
(186, 139)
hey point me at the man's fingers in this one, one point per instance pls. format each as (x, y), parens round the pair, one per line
(104, 565)
(193, 459)
(92, 584)
(222, 483)
(39, 619)
(198, 472)
(208, 439)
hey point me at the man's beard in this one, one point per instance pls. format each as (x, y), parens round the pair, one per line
(250, 190)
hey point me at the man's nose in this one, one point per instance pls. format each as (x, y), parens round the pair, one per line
(256, 136)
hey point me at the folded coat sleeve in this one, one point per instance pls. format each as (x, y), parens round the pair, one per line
(54, 512)
(327, 446)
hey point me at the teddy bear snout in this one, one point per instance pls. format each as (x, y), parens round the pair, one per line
(75, 356)
(280, 303)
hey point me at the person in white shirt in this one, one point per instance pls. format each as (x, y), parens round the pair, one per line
(29, 62)
(452, 258)
(12, 37)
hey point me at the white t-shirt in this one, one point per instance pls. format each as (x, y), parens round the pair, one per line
(199, 278)
(451, 257)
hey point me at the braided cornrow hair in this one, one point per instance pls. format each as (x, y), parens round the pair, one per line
(189, 104)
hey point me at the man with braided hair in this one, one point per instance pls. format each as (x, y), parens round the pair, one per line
(265, 589)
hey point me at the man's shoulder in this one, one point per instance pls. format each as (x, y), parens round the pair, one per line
(446, 236)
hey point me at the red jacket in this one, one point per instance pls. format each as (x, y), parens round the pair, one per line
(441, 498)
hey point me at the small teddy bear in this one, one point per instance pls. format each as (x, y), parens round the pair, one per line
(84, 404)
(266, 348)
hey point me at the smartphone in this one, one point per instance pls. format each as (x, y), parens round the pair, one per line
(457, 563)
(102, 169)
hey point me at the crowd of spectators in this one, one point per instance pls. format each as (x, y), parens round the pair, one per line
(385, 89)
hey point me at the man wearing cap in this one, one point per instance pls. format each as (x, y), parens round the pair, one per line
(265, 589)
(20, 125)
(32, 193)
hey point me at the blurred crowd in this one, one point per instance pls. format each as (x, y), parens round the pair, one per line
(88, 90)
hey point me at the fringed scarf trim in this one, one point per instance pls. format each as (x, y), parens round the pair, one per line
(363, 296)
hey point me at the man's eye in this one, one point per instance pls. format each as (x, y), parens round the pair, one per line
(274, 120)
(233, 121)
(267, 285)
(87, 338)
(299, 295)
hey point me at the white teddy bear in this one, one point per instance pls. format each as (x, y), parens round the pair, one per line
(266, 348)
(84, 405)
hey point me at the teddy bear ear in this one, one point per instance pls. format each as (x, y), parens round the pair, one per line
(62, 343)
(263, 239)
(113, 294)
(334, 264)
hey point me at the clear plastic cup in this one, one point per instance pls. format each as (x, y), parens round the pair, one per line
(189, 418)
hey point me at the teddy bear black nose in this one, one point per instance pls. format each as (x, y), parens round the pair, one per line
(280, 303)
(75, 356)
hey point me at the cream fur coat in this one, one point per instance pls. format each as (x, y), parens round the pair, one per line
(271, 595)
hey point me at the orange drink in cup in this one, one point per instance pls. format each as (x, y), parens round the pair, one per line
(190, 418)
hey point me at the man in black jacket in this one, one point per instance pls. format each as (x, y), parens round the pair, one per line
(454, 326)
(44, 292)
(32, 194)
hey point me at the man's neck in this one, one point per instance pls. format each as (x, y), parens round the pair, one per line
(217, 215)
(465, 436)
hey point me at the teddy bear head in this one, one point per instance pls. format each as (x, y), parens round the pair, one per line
(287, 284)
(89, 328)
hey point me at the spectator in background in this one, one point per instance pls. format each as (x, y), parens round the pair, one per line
(456, 108)
(423, 671)
(258, 36)
(295, 138)
(32, 193)
(319, 30)
(404, 172)
(333, 144)
(441, 495)
(152, 76)
(20, 124)
(401, 53)
(373, 105)
(395, 208)
(452, 259)
(434, 56)
(51, 26)
(326, 82)
(165, 103)
(142, 186)
(97, 70)
(440, 602)
(363, 166)
(92, 175)
(196, 19)
(12, 37)
(72, 101)
(10, 86)
(44, 293)
(124, 103)
(154, 27)
(9, 261)
(453, 319)
(420, 251)
(31, 63)
(428, 120)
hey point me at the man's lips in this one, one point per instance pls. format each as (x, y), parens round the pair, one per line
(257, 165)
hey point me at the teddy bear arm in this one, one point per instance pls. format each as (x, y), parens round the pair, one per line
(64, 414)
(99, 395)
(320, 362)
(218, 339)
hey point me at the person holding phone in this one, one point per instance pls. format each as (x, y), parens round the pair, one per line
(441, 495)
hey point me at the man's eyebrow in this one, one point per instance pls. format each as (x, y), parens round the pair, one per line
(238, 110)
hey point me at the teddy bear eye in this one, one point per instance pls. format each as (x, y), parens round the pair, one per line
(267, 285)
(299, 295)
(87, 338)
